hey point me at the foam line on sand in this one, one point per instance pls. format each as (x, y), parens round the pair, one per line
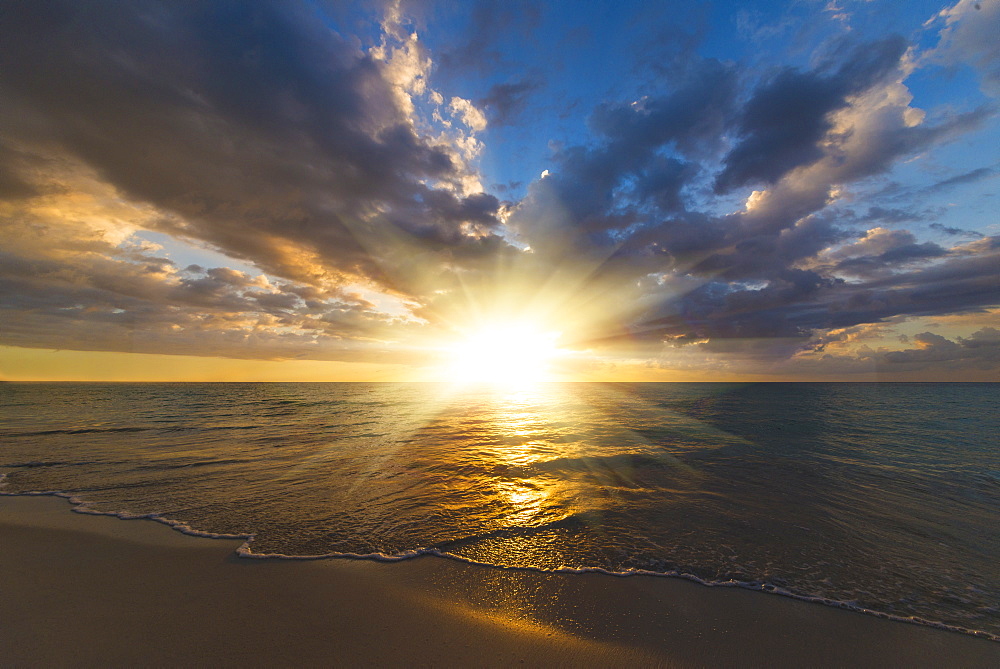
(85, 590)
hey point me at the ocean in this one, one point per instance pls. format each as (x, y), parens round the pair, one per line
(883, 498)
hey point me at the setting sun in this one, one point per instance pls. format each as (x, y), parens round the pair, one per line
(486, 304)
(505, 354)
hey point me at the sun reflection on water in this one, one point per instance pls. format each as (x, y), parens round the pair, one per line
(502, 474)
(517, 419)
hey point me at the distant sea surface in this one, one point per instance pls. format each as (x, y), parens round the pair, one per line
(883, 497)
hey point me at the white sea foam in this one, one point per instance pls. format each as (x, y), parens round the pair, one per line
(80, 505)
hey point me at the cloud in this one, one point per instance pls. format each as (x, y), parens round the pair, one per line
(855, 352)
(982, 347)
(630, 173)
(783, 269)
(504, 102)
(881, 250)
(82, 280)
(969, 37)
(970, 177)
(267, 137)
(12, 185)
(955, 231)
(782, 123)
(800, 303)
(708, 212)
(469, 113)
(270, 136)
(892, 215)
(876, 128)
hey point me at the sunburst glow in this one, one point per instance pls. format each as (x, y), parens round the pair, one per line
(503, 354)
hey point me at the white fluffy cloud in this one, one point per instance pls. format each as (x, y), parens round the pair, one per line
(470, 115)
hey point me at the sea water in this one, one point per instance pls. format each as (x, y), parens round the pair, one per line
(879, 497)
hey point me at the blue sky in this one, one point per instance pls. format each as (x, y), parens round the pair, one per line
(786, 190)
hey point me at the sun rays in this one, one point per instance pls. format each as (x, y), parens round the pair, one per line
(500, 353)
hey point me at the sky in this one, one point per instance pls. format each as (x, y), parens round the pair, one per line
(390, 191)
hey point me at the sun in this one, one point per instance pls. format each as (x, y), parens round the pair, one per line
(508, 354)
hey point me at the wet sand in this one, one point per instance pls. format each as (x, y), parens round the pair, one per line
(82, 590)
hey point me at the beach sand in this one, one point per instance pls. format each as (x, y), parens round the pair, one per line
(83, 590)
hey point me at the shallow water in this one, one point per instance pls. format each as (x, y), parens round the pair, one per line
(881, 496)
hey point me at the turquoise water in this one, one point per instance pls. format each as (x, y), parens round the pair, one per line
(884, 497)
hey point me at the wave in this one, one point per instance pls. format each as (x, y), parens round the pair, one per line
(162, 466)
(569, 521)
(119, 430)
(32, 464)
(79, 430)
(80, 505)
(615, 462)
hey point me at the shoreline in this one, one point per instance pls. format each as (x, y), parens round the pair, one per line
(85, 589)
(82, 506)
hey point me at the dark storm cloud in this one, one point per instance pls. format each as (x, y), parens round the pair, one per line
(480, 208)
(781, 124)
(257, 126)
